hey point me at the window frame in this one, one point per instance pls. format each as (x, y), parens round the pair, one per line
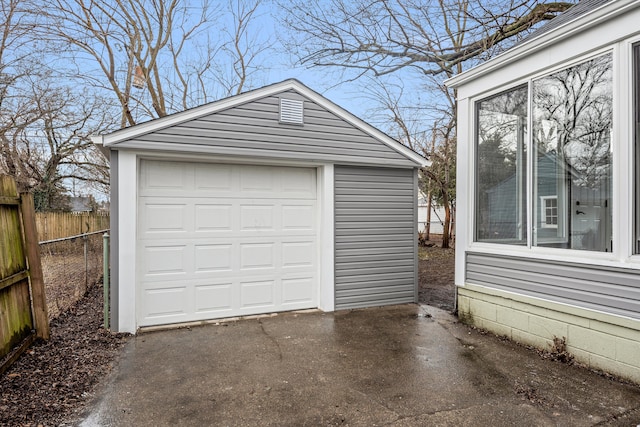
(635, 136)
(532, 242)
(524, 230)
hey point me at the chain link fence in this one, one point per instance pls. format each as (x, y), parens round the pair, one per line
(71, 265)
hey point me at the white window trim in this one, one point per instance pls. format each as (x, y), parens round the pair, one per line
(531, 245)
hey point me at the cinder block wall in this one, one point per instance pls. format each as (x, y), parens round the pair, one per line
(599, 340)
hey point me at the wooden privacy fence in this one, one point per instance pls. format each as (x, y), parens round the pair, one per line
(23, 310)
(57, 225)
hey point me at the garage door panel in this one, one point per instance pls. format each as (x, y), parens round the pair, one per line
(199, 216)
(209, 217)
(257, 217)
(298, 290)
(210, 258)
(234, 240)
(257, 180)
(218, 179)
(298, 217)
(299, 183)
(257, 256)
(170, 176)
(298, 254)
(165, 302)
(259, 293)
(160, 178)
(214, 298)
(272, 235)
(165, 260)
(161, 218)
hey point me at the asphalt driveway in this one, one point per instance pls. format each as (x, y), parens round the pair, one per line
(396, 366)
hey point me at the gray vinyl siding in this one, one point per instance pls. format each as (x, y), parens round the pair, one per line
(254, 129)
(608, 289)
(375, 236)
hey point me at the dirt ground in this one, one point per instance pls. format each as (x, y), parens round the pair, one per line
(436, 275)
(52, 381)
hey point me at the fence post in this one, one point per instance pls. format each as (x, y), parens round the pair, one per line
(85, 238)
(105, 278)
(40, 314)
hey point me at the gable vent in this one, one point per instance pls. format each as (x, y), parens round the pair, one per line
(291, 111)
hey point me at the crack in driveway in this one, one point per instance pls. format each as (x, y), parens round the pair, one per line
(277, 344)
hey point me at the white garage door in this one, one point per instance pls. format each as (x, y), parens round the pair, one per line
(217, 240)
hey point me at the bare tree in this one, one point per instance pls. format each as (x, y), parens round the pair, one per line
(51, 148)
(15, 112)
(386, 36)
(77, 67)
(244, 47)
(406, 122)
(43, 129)
(155, 56)
(65, 151)
(414, 39)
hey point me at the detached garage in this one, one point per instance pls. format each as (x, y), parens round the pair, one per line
(269, 201)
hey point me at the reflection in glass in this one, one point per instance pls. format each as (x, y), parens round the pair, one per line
(572, 119)
(501, 168)
(636, 130)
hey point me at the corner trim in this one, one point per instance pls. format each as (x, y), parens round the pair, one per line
(327, 300)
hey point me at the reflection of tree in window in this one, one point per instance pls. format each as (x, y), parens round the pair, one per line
(571, 135)
(501, 160)
(575, 107)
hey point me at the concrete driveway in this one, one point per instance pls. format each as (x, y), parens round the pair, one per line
(396, 366)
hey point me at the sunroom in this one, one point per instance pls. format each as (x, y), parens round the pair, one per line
(548, 208)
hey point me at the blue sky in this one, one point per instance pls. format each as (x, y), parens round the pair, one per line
(326, 81)
(347, 95)
(354, 96)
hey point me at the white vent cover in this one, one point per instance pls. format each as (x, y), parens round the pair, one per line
(291, 111)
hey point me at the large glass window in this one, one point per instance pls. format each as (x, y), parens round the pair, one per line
(501, 184)
(572, 118)
(569, 199)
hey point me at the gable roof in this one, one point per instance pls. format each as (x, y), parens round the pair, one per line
(580, 17)
(118, 137)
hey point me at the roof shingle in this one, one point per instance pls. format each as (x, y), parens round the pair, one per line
(581, 8)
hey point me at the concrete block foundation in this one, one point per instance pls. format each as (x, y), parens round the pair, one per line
(598, 340)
